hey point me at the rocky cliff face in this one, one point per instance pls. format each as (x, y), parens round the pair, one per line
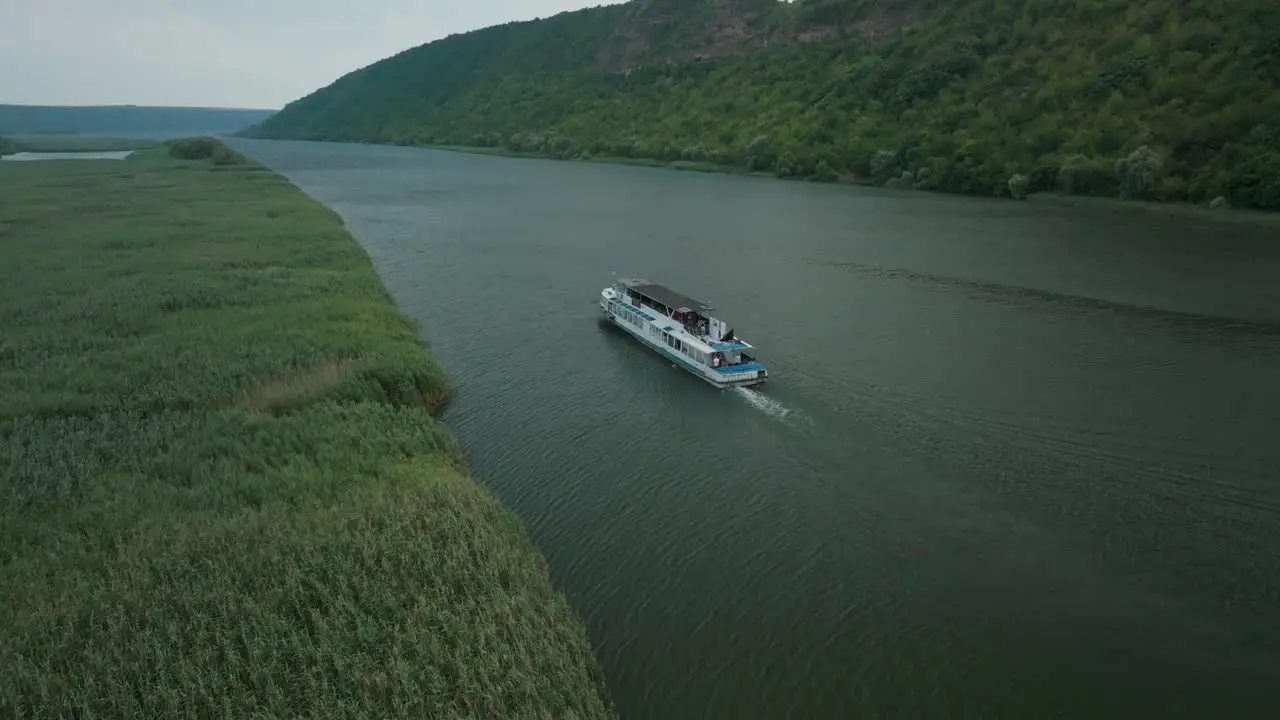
(677, 31)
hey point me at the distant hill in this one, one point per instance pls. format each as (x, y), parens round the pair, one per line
(1132, 98)
(129, 120)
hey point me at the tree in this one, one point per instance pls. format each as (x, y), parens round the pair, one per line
(758, 154)
(883, 165)
(1018, 186)
(1140, 173)
(1082, 175)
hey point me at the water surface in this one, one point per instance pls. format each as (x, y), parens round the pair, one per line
(1015, 460)
(101, 155)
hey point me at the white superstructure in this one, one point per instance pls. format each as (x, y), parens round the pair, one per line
(681, 329)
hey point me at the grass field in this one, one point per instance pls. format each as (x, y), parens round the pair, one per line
(223, 489)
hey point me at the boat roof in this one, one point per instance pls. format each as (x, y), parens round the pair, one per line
(664, 295)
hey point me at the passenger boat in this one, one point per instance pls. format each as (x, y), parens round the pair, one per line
(683, 330)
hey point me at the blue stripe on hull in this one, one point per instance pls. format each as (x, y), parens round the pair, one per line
(739, 368)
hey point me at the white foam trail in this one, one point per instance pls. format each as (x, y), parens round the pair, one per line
(763, 403)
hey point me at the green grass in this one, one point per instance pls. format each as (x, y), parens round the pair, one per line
(223, 487)
(77, 143)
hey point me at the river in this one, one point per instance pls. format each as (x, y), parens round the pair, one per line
(1015, 459)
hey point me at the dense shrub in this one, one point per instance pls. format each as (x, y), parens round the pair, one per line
(205, 148)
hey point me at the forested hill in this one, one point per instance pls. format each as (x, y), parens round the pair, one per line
(129, 119)
(1133, 98)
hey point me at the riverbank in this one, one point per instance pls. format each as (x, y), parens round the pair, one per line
(223, 484)
(1229, 214)
(688, 165)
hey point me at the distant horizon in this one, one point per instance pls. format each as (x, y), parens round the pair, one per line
(137, 105)
(126, 118)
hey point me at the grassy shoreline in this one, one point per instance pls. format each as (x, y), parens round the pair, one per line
(224, 488)
(1226, 214)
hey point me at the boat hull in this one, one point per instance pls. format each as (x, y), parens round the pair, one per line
(721, 378)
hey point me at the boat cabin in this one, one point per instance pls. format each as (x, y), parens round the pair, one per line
(714, 344)
(693, 315)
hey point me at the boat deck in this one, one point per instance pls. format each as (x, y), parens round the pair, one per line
(665, 295)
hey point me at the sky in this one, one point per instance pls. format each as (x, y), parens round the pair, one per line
(220, 53)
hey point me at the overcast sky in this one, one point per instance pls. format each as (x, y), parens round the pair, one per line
(222, 53)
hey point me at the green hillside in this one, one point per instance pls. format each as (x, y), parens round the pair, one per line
(1144, 99)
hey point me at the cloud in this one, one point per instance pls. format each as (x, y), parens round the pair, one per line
(237, 53)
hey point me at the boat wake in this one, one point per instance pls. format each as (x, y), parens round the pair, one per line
(764, 403)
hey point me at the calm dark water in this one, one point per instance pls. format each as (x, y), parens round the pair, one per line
(1016, 461)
